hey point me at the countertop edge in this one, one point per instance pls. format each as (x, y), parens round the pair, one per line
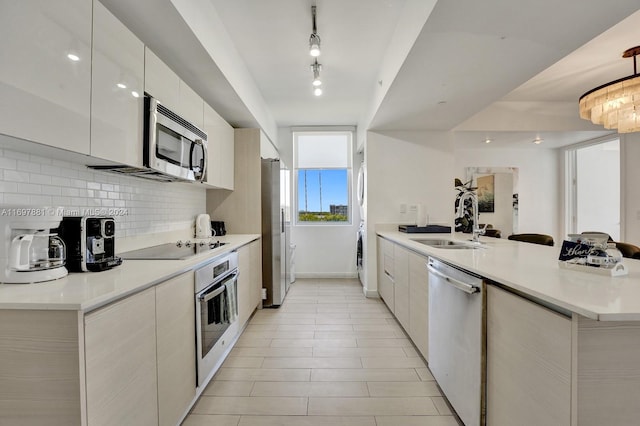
(583, 308)
(17, 296)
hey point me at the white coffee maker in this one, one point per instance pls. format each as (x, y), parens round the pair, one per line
(30, 250)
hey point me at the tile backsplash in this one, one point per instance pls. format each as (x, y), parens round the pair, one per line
(139, 206)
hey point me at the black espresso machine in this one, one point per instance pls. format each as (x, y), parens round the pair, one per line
(91, 243)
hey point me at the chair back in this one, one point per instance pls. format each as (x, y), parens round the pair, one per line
(628, 250)
(542, 239)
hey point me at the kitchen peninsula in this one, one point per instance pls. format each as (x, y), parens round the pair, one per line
(562, 345)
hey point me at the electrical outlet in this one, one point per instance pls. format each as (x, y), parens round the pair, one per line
(403, 208)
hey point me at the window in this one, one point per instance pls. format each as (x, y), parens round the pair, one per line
(594, 188)
(323, 176)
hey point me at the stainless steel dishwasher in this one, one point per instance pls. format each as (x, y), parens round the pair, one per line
(457, 342)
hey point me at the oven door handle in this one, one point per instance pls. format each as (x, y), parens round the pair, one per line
(208, 296)
(231, 278)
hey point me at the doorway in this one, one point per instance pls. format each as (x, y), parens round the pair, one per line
(593, 177)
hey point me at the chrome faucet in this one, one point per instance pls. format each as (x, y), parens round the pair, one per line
(476, 230)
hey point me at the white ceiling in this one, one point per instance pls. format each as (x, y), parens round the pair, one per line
(504, 69)
(272, 38)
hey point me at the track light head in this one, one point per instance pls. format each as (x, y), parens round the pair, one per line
(314, 39)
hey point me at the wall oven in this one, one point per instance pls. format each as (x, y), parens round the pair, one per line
(216, 310)
(172, 145)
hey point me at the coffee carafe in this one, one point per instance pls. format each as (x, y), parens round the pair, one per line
(36, 252)
(31, 250)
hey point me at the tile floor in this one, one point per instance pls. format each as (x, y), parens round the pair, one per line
(327, 357)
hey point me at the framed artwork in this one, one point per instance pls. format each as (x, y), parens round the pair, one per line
(486, 194)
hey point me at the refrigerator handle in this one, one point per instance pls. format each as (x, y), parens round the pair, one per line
(282, 221)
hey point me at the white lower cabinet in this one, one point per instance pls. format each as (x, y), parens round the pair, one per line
(249, 280)
(419, 303)
(528, 362)
(401, 285)
(140, 356)
(244, 284)
(255, 250)
(385, 272)
(175, 328)
(120, 354)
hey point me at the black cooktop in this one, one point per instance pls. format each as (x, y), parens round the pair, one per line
(171, 251)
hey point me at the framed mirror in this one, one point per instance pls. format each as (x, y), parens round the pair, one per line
(497, 196)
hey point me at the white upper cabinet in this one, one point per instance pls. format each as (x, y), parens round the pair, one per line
(166, 86)
(117, 94)
(45, 76)
(220, 168)
(160, 81)
(190, 106)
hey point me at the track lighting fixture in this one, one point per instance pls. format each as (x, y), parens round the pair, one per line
(314, 39)
(314, 50)
(316, 67)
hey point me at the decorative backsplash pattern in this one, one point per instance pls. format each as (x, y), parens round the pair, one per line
(139, 206)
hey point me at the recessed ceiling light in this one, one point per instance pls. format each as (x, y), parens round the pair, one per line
(487, 140)
(73, 57)
(317, 91)
(135, 94)
(121, 85)
(538, 141)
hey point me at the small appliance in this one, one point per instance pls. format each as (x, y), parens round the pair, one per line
(218, 228)
(31, 250)
(91, 243)
(216, 302)
(173, 145)
(203, 226)
(174, 149)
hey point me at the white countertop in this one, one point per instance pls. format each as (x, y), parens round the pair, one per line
(533, 270)
(85, 291)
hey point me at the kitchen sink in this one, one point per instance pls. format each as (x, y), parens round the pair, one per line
(448, 244)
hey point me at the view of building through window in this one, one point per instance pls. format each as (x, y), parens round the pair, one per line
(323, 195)
(323, 167)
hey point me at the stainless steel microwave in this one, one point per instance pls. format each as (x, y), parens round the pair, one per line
(172, 145)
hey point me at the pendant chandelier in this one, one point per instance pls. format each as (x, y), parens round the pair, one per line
(615, 105)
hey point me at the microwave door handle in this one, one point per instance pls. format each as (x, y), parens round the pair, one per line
(205, 159)
(201, 144)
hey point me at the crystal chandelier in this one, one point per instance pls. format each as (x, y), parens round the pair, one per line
(615, 105)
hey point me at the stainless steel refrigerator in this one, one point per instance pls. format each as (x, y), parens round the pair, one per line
(275, 232)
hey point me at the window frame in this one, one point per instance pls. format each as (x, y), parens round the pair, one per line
(350, 135)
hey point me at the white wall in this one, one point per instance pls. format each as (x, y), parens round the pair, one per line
(322, 251)
(539, 184)
(405, 168)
